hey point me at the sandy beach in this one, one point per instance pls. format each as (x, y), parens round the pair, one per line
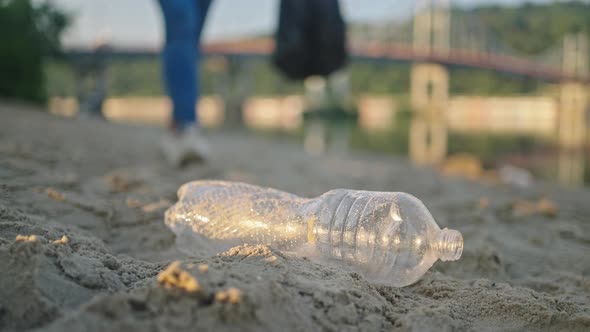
(83, 245)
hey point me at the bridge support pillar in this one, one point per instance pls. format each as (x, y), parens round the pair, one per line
(432, 26)
(572, 115)
(570, 168)
(428, 138)
(429, 97)
(429, 86)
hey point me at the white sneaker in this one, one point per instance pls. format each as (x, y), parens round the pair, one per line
(185, 147)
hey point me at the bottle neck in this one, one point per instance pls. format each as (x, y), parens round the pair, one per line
(449, 245)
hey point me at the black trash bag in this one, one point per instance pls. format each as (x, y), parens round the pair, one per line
(310, 39)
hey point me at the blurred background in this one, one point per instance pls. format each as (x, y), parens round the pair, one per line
(489, 90)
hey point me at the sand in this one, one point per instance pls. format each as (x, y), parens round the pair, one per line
(83, 246)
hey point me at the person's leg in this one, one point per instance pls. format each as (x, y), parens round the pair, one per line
(202, 8)
(180, 59)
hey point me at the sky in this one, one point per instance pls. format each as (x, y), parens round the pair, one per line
(138, 23)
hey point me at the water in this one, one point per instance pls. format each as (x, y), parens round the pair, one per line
(538, 155)
(519, 131)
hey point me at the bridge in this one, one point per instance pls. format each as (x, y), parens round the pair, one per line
(434, 34)
(434, 39)
(374, 51)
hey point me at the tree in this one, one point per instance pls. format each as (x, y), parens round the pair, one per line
(29, 32)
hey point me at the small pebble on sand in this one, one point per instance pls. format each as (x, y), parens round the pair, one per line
(231, 295)
(63, 240)
(174, 276)
(26, 238)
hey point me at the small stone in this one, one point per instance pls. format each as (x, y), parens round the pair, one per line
(110, 262)
(159, 205)
(464, 165)
(26, 238)
(132, 203)
(231, 295)
(203, 268)
(63, 240)
(119, 182)
(176, 277)
(483, 203)
(544, 207)
(547, 207)
(522, 208)
(54, 194)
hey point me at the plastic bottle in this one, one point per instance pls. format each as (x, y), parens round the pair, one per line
(388, 237)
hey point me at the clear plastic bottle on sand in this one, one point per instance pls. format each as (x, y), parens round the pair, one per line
(388, 237)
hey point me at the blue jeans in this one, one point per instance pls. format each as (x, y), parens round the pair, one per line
(184, 21)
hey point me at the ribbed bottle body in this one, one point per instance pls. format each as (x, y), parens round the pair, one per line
(365, 231)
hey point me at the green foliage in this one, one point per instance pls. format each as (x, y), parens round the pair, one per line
(379, 78)
(29, 31)
(528, 28)
(267, 81)
(144, 78)
(59, 79)
(135, 78)
(533, 28)
(470, 81)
